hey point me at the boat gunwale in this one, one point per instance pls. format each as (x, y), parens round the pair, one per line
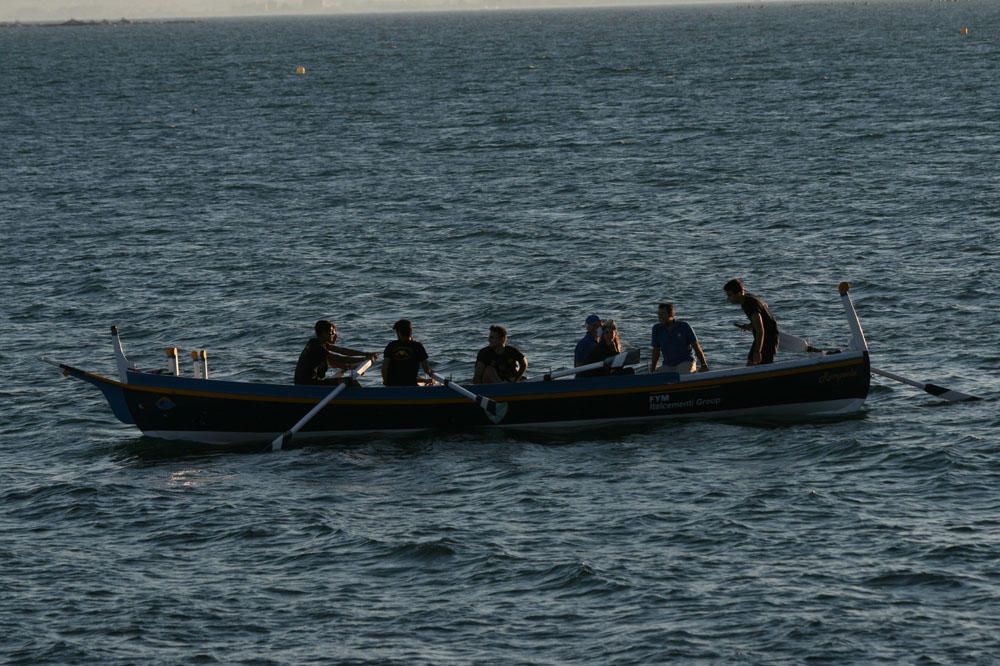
(683, 383)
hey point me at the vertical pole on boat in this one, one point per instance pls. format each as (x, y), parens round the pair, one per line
(121, 361)
(858, 342)
(203, 355)
(174, 353)
(194, 363)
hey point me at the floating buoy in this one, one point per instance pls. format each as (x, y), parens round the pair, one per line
(964, 30)
(300, 70)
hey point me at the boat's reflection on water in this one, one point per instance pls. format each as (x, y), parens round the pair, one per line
(145, 450)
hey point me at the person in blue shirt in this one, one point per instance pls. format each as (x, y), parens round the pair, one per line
(675, 340)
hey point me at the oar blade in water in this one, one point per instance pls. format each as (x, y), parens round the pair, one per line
(496, 411)
(949, 394)
(935, 390)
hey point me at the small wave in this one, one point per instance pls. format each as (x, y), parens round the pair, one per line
(960, 554)
(424, 551)
(574, 578)
(906, 579)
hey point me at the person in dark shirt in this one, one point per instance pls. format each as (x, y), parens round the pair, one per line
(321, 354)
(609, 345)
(763, 325)
(588, 350)
(499, 362)
(403, 358)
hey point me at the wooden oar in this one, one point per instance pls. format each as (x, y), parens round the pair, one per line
(495, 411)
(286, 436)
(630, 357)
(796, 344)
(938, 391)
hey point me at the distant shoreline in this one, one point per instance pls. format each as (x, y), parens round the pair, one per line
(75, 23)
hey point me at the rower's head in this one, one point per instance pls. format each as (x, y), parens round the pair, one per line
(593, 322)
(326, 330)
(498, 336)
(734, 290)
(404, 329)
(665, 313)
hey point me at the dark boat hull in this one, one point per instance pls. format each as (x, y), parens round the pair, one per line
(229, 412)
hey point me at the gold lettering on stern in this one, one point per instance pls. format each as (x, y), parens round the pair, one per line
(828, 377)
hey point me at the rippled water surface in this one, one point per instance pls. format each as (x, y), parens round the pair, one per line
(181, 181)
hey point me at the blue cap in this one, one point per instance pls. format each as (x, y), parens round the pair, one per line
(592, 319)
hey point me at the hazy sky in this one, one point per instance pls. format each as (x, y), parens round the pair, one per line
(60, 10)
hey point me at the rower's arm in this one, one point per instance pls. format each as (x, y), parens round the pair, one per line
(654, 357)
(335, 360)
(477, 375)
(700, 353)
(346, 351)
(757, 323)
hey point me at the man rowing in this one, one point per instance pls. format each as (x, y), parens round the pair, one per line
(321, 354)
(498, 361)
(403, 358)
(762, 323)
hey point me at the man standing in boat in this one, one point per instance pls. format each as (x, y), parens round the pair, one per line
(403, 358)
(676, 340)
(762, 323)
(499, 362)
(320, 353)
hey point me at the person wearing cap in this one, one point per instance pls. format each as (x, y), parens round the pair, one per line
(676, 340)
(499, 362)
(588, 349)
(403, 358)
(321, 354)
(762, 323)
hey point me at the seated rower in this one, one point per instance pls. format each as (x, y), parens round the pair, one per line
(403, 357)
(320, 354)
(499, 362)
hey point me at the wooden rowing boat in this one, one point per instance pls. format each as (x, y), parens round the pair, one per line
(225, 412)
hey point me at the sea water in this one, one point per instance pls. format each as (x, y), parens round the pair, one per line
(181, 180)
